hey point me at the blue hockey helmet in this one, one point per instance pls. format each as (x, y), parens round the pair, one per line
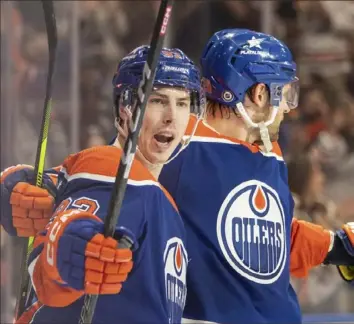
(236, 59)
(174, 69)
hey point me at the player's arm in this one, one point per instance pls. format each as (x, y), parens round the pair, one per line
(72, 257)
(25, 208)
(312, 245)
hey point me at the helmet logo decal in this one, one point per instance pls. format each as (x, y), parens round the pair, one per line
(171, 54)
(177, 69)
(227, 96)
(254, 42)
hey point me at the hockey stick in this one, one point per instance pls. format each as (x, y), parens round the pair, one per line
(26, 245)
(120, 184)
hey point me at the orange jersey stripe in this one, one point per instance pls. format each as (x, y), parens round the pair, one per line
(169, 197)
(204, 130)
(104, 161)
(28, 314)
(309, 247)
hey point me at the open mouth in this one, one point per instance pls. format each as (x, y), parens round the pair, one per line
(164, 138)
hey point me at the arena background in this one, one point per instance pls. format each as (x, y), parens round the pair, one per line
(317, 138)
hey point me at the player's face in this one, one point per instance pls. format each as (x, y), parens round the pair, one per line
(165, 122)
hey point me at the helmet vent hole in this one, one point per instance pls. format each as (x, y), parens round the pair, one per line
(208, 48)
(289, 72)
(233, 60)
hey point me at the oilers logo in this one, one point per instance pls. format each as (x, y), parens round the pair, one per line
(251, 232)
(176, 261)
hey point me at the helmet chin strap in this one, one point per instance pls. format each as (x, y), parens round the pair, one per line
(263, 126)
(185, 142)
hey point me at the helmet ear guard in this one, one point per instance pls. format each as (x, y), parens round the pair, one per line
(276, 91)
(276, 97)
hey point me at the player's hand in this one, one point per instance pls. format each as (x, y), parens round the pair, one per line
(76, 253)
(25, 208)
(346, 234)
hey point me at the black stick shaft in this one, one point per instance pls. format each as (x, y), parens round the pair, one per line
(120, 185)
(26, 244)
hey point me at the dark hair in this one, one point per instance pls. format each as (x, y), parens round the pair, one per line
(212, 106)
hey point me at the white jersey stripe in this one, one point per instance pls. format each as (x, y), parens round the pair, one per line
(206, 139)
(190, 321)
(31, 271)
(103, 178)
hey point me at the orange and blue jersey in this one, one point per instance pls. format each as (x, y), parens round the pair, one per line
(155, 290)
(237, 209)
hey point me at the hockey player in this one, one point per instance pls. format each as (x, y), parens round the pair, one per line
(72, 257)
(230, 186)
(244, 287)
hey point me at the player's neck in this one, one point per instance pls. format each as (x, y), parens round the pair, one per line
(154, 169)
(230, 126)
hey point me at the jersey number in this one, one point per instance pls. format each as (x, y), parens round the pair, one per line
(83, 204)
(79, 204)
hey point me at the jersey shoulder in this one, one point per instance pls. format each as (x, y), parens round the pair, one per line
(103, 161)
(100, 163)
(203, 133)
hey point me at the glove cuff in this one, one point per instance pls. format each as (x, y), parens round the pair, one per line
(348, 228)
(56, 229)
(346, 234)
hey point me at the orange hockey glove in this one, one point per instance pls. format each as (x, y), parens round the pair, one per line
(77, 253)
(25, 208)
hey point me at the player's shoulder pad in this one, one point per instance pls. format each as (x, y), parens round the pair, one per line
(102, 161)
(205, 133)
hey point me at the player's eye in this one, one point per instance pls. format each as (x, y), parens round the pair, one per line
(183, 104)
(157, 101)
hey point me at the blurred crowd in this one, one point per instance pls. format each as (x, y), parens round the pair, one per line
(317, 138)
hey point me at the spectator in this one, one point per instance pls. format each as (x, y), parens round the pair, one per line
(205, 18)
(306, 182)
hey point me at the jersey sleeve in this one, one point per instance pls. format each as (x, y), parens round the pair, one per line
(310, 245)
(85, 183)
(53, 173)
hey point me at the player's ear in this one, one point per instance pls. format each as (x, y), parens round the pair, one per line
(260, 95)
